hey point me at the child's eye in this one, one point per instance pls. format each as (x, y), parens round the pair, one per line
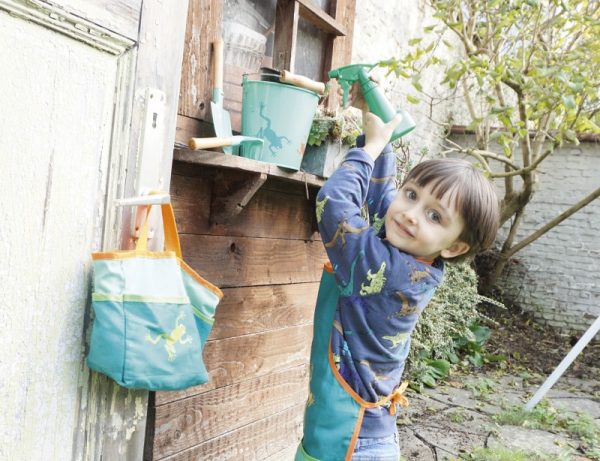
(434, 216)
(410, 194)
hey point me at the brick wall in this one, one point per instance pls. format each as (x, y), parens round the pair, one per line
(557, 277)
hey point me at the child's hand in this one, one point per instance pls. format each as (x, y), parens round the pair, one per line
(377, 133)
(355, 96)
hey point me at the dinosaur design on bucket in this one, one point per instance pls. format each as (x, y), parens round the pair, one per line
(267, 133)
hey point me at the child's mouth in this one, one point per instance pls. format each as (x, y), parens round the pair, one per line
(404, 230)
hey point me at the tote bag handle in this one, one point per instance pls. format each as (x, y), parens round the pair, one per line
(171, 235)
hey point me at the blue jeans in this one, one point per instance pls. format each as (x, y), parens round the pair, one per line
(377, 449)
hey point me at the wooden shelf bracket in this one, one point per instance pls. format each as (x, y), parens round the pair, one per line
(231, 193)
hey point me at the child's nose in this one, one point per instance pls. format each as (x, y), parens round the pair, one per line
(410, 216)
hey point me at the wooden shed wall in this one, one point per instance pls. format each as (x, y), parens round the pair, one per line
(268, 262)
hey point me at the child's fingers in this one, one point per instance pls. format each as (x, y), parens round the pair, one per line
(393, 123)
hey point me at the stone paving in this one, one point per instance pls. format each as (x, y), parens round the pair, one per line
(451, 420)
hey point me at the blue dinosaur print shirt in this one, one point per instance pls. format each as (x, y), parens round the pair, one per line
(383, 290)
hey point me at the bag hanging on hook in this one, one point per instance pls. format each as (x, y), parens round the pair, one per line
(153, 314)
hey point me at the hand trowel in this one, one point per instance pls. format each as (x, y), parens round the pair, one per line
(221, 118)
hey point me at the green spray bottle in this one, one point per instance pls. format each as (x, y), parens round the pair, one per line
(377, 102)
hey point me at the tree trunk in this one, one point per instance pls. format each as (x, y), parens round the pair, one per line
(488, 280)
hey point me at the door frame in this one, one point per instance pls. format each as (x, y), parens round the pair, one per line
(113, 422)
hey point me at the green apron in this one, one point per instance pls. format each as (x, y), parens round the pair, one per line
(334, 411)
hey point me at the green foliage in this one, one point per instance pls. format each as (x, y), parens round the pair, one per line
(448, 315)
(457, 416)
(481, 387)
(343, 128)
(509, 454)
(545, 53)
(319, 131)
(527, 72)
(471, 345)
(544, 416)
(446, 326)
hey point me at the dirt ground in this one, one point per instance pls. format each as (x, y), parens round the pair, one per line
(536, 347)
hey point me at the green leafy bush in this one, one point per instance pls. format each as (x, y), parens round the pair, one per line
(449, 314)
(446, 328)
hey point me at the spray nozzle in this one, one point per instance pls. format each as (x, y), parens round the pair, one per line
(347, 75)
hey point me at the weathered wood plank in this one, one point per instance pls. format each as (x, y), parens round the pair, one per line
(189, 422)
(339, 50)
(203, 28)
(232, 88)
(283, 455)
(233, 360)
(255, 442)
(188, 127)
(251, 310)
(229, 261)
(286, 31)
(289, 214)
(319, 18)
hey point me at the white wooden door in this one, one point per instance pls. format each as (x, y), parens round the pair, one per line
(79, 82)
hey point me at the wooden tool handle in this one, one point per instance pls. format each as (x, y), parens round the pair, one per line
(205, 143)
(302, 82)
(218, 64)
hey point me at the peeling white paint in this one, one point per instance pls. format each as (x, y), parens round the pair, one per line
(54, 142)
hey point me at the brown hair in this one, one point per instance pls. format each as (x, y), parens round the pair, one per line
(474, 197)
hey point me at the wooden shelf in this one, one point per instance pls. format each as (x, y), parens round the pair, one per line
(234, 162)
(323, 21)
(239, 178)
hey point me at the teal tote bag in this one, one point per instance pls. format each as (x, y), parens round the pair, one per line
(152, 315)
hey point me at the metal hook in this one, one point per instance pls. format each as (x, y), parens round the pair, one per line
(147, 198)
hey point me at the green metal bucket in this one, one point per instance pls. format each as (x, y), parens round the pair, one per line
(279, 114)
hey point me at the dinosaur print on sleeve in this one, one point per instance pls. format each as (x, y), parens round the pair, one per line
(320, 208)
(397, 339)
(377, 222)
(343, 229)
(376, 282)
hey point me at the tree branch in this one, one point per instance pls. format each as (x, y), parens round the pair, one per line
(560, 218)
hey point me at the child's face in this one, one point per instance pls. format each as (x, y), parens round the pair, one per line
(423, 226)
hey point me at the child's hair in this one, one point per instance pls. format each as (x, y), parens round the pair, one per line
(474, 198)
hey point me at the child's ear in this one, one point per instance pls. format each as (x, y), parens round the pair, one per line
(456, 249)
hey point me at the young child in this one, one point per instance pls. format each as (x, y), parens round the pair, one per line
(382, 273)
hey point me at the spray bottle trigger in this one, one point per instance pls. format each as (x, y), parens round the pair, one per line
(345, 88)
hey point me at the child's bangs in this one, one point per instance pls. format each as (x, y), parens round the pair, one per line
(442, 179)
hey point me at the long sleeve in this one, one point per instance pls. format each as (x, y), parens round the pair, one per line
(382, 185)
(343, 229)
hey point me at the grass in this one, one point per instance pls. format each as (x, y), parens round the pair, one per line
(509, 454)
(482, 386)
(546, 417)
(457, 416)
